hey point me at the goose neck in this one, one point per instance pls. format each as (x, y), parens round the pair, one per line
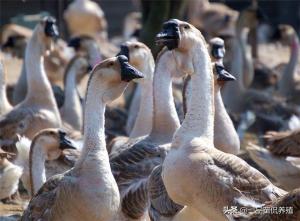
(94, 53)
(143, 122)
(199, 119)
(3, 95)
(94, 154)
(165, 118)
(37, 172)
(288, 75)
(37, 80)
(72, 104)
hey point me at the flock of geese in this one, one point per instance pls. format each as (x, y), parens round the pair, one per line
(168, 157)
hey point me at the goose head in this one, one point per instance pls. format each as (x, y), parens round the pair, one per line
(184, 40)
(139, 56)
(82, 44)
(217, 52)
(53, 141)
(285, 33)
(15, 44)
(217, 48)
(114, 74)
(47, 31)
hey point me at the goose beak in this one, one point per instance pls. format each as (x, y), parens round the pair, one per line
(222, 74)
(64, 141)
(51, 29)
(128, 72)
(170, 35)
(218, 52)
(74, 43)
(124, 50)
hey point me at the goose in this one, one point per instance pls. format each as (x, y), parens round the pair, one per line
(9, 175)
(47, 145)
(38, 110)
(140, 56)
(209, 178)
(162, 207)
(226, 137)
(284, 170)
(5, 106)
(71, 111)
(85, 17)
(91, 185)
(54, 62)
(215, 19)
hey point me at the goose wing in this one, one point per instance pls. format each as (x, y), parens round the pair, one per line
(40, 205)
(284, 143)
(160, 202)
(131, 169)
(250, 186)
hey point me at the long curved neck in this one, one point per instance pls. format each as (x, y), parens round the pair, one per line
(233, 103)
(285, 85)
(4, 103)
(225, 135)
(248, 70)
(143, 122)
(39, 88)
(199, 119)
(71, 109)
(94, 53)
(165, 118)
(37, 171)
(94, 155)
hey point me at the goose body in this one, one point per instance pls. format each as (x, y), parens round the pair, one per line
(38, 110)
(91, 185)
(217, 178)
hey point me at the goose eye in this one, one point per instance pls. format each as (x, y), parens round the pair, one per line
(186, 27)
(110, 64)
(136, 46)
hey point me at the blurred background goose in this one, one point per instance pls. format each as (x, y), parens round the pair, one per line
(39, 109)
(5, 106)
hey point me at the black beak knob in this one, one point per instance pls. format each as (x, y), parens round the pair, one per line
(128, 72)
(222, 74)
(124, 50)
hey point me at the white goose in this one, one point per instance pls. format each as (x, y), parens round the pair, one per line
(39, 109)
(209, 179)
(88, 191)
